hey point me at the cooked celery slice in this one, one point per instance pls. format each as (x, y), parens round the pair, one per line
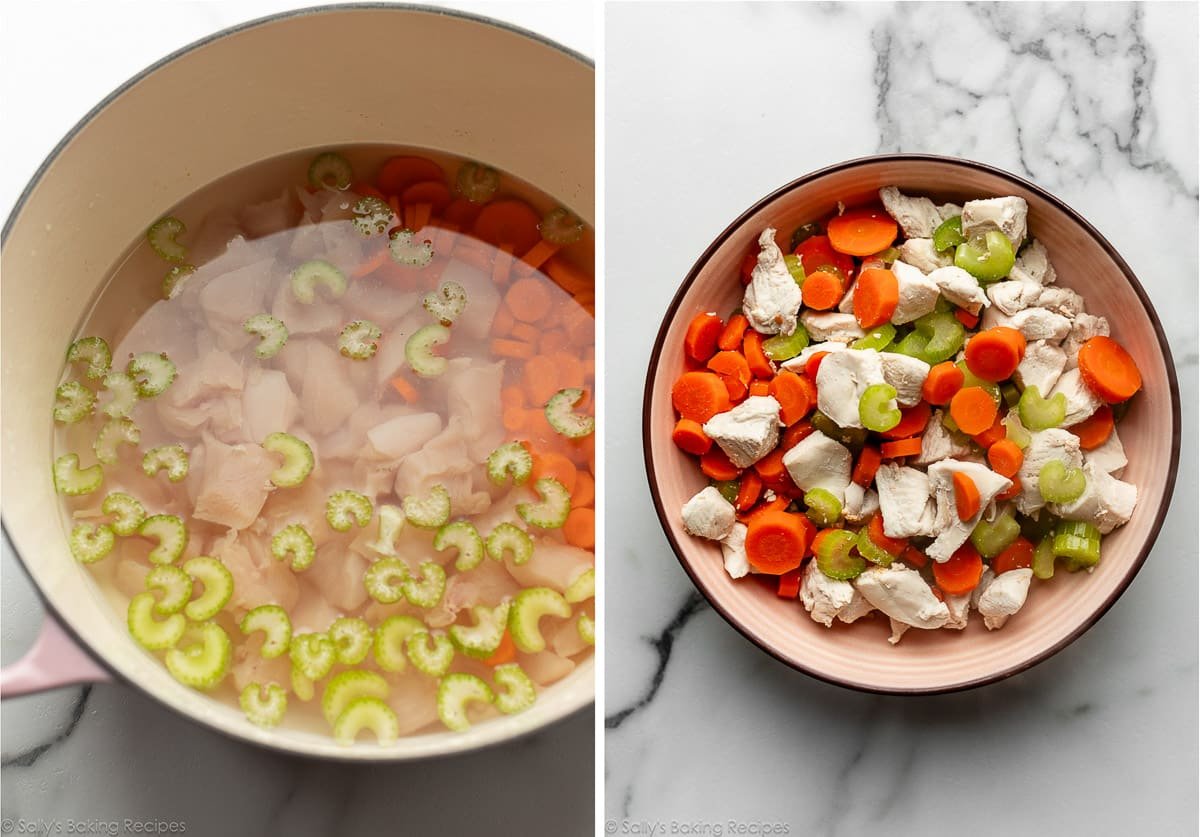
(834, 557)
(175, 280)
(163, 236)
(372, 215)
(566, 422)
(294, 542)
(483, 638)
(1039, 413)
(218, 587)
(349, 686)
(446, 303)
(126, 510)
(391, 523)
(149, 632)
(508, 538)
(90, 543)
(1015, 431)
(418, 351)
(586, 628)
(204, 661)
(728, 488)
(330, 170)
(877, 408)
(582, 588)
(1059, 484)
(272, 334)
(1043, 558)
(552, 511)
(431, 654)
(309, 275)
(94, 352)
(1079, 542)
(313, 654)
(877, 338)
(351, 639)
(346, 508)
(298, 460)
(153, 373)
(1010, 394)
(527, 610)
(115, 432)
(463, 536)
(561, 227)
(796, 268)
(512, 459)
(824, 508)
(72, 480)
(359, 340)
(987, 257)
(171, 457)
(851, 437)
(948, 234)
(455, 691)
(515, 692)
(120, 394)
(276, 626)
(171, 535)
(409, 252)
(390, 639)
(264, 705)
(868, 549)
(73, 402)
(302, 686)
(370, 714)
(430, 511)
(477, 183)
(912, 344)
(427, 591)
(786, 346)
(945, 334)
(384, 580)
(990, 539)
(174, 585)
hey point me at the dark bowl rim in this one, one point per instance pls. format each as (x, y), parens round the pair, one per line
(1130, 277)
(52, 612)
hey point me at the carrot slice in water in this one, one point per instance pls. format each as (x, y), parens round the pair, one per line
(398, 173)
(462, 213)
(433, 192)
(407, 391)
(528, 299)
(689, 437)
(775, 542)
(584, 493)
(700, 396)
(995, 354)
(554, 465)
(966, 496)
(876, 295)
(508, 221)
(700, 342)
(1108, 370)
(1094, 430)
(961, 573)
(861, 232)
(580, 528)
(506, 652)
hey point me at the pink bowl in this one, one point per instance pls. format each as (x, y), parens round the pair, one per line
(1058, 611)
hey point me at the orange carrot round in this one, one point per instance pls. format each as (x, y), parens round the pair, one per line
(992, 435)
(760, 364)
(861, 232)
(813, 364)
(584, 493)
(700, 342)
(1017, 555)
(965, 317)
(1094, 430)
(1108, 370)
(795, 434)
(509, 221)
(528, 299)
(1012, 491)
(943, 381)
(580, 528)
(506, 652)
(876, 294)
(912, 421)
(731, 336)
(732, 365)
(900, 448)
(1005, 457)
(914, 557)
(716, 465)
(966, 496)
(398, 173)
(790, 391)
(433, 192)
(866, 466)
(973, 410)
(461, 213)
(822, 290)
(554, 465)
(749, 488)
(994, 354)
(689, 437)
(760, 388)
(961, 573)
(541, 377)
(789, 585)
(893, 546)
(775, 542)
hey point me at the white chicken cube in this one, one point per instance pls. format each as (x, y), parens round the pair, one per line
(918, 293)
(860, 503)
(831, 325)
(918, 217)
(708, 515)
(1083, 328)
(953, 531)
(938, 443)
(1044, 446)
(960, 287)
(733, 551)
(949, 210)
(1061, 301)
(841, 381)
(819, 462)
(1040, 324)
(984, 580)
(1106, 502)
(1012, 295)
(1004, 596)
(1033, 265)
(857, 609)
(748, 432)
(823, 597)
(772, 299)
(960, 609)
(1109, 457)
(921, 254)
(1081, 401)
(1007, 214)
(904, 501)
(900, 593)
(1041, 367)
(906, 374)
(846, 303)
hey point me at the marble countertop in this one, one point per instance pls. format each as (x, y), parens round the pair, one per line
(89, 757)
(707, 734)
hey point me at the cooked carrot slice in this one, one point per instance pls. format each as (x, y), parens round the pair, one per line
(433, 192)
(689, 436)
(912, 421)
(1005, 457)
(900, 448)
(966, 496)
(731, 336)
(822, 290)
(700, 342)
(1108, 370)
(1094, 430)
(775, 542)
(943, 380)
(973, 410)
(994, 354)
(760, 364)
(876, 294)
(961, 573)
(1017, 555)
(893, 546)
(716, 465)
(749, 488)
(861, 232)
(868, 463)
(793, 395)
(580, 528)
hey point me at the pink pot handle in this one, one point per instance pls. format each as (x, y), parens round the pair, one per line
(54, 660)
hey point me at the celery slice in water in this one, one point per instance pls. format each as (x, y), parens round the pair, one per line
(276, 626)
(582, 588)
(72, 480)
(203, 661)
(430, 511)
(163, 236)
(349, 686)
(526, 612)
(171, 535)
(94, 352)
(384, 580)
(150, 633)
(512, 459)
(218, 587)
(90, 543)
(391, 638)
(463, 536)
(173, 458)
(430, 654)
(359, 340)
(352, 639)
(367, 713)
(173, 585)
(455, 691)
(561, 227)
(426, 591)
(152, 371)
(73, 402)
(294, 542)
(372, 215)
(483, 638)
(347, 508)
(446, 303)
(418, 351)
(552, 511)
(309, 275)
(409, 252)
(264, 705)
(560, 413)
(313, 654)
(272, 334)
(115, 432)
(330, 170)
(477, 183)
(126, 510)
(298, 459)
(508, 538)
(515, 691)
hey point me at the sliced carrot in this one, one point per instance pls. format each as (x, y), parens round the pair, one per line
(771, 467)
(876, 294)
(539, 253)
(700, 396)
(584, 493)
(775, 542)
(813, 365)
(893, 546)
(992, 435)
(1108, 370)
(462, 213)
(407, 391)
(731, 336)
(554, 465)
(738, 390)
(861, 232)
(569, 277)
(961, 573)
(580, 528)
(526, 332)
(796, 434)
(760, 365)
(1012, 491)
(518, 349)
(965, 317)
(689, 437)
(1017, 555)
(422, 215)
(866, 466)
(528, 299)
(1094, 430)
(900, 448)
(749, 488)
(966, 496)
(505, 652)
(503, 322)
(372, 264)
(554, 340)
(513, 419)
(502, 265)
(398, 173)
(789, 585)
(746, 269)
(914, 557)
(822, 290)
(816, 253)
(942, 382)
(541, 378)
(433, 192)
(793, 395)
(409, 217)
(716, 465)
(765, 507)
(760, 388)
(366, 190)
(700, 342)
(994, 354)
(508, 221)
(912, 421)
(512, 396)
(973, 410)
(1005, 457)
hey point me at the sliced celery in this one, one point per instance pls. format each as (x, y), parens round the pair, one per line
(330, 170)
(367, 713)
(345, 509)
(483, 638)
(561, 227)
(384, 580)
(477, 183)
(1058, 483)
(834, 557)
(202, 658)
(272, 334)
(562, 417)
(948, 234)
(1039, 413)
(89, 543)
(391, 638)
(552, 511)
(352, 639)
(786, 346)
(153, 372)
(426, 591)
(298, 459)
(173, 458)
(313, 654)
(173, 585)
(418, 351)
(515, 691)
(446, 303)
(218, 587)
(72, 480)
(126, 510)
(509, 538)
(359, 340)
(171, 535)
(945, 334)
(264, 705)
(509, 460)
(430, 654)
(527, 610)
(868, 549)
(94, 352)
(276, 626)
(1043, 558)
(309, 275)
(294, 542)
(349, 686)
(430, 511)
(372, 215)
(987, 257)
(409, 252)
(824, 509)
(163, 236)
(73, 402)
(464, 537)
(877, 408)
(878, 338)
(455, 691)
(116, 431)
(150, 633)
(990, 539)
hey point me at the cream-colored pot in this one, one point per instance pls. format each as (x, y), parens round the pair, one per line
(307, 79)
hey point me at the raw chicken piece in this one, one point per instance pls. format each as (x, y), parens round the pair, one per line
(312, 612)
(482, 298)
(553, 565)
(230, 297)
(257, 577)
(545, 667)
(413, 697)
(160, 329)
(317, 317)
(268, 403)
(488, 585)
(370, 298)
(397, 437)
(235, 483)
(445, 461)
(566, 641)
(338, 572)
(197, 397)
(472, 393)
(270, 216)
(327, 397)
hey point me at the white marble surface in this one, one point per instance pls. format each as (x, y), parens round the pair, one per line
(95, 756)
(1098, 104)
